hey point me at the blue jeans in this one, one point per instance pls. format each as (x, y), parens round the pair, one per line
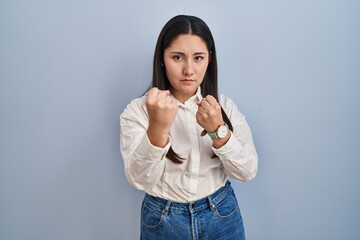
(214, 217)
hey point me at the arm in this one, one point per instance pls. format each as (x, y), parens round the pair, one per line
(236, 150)
(144, 140)
(238, 155)
(144, 163)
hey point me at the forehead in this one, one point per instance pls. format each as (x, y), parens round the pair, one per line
(187, 42)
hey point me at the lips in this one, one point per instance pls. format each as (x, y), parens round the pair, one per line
(187, 80)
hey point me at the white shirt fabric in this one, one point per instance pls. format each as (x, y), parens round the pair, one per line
(148, 169)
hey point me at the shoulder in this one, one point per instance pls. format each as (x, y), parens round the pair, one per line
(137, 102)
(225, 101)
(135, 108)
(228, 105)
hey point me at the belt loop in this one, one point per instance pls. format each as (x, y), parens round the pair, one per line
(211, 204)
(166, 210)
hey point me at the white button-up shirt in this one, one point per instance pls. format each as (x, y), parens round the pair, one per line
(148, 169)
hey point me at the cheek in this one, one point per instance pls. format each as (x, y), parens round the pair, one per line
(171, 70)
(203, 69)
(170, 76)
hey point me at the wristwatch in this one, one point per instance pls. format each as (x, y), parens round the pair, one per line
(221, 132)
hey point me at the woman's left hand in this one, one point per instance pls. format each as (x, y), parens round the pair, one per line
(209, 115)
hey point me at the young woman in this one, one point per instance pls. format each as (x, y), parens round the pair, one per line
(181, 141)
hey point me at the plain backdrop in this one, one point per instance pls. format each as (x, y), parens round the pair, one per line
(68, 68)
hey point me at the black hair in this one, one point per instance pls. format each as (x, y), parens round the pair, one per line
(184, 24)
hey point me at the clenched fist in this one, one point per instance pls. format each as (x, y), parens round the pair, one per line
(162, 112)
(209, 115)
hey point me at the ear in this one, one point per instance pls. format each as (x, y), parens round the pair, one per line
(210, 54)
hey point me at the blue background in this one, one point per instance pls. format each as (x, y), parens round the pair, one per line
(68, 69)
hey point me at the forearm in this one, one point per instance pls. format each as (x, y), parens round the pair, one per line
(240, 160)
(158, 136)
(219, 142)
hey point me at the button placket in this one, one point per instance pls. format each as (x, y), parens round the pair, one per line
(195, 154)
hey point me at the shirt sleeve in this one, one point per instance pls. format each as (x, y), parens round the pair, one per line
(144, 163)
(238, 155)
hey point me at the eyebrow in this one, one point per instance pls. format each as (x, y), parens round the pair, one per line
(197, 53)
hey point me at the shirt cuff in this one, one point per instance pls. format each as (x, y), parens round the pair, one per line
(229, 149)
(152, 152)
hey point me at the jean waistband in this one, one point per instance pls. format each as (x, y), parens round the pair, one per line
(198, 205)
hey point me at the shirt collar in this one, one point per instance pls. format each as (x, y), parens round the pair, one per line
(198, 94)
(192, 100)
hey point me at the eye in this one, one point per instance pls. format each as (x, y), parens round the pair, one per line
(199, 58)
(177, 57)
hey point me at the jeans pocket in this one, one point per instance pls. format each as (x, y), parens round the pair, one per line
(227, 207)
(151, 214)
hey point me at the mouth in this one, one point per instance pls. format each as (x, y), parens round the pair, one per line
(187, 81)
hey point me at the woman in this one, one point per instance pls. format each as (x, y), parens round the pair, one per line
(181, 141)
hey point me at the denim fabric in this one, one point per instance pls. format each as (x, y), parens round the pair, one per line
(215, 217)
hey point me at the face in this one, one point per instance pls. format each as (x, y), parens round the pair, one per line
(186, 61)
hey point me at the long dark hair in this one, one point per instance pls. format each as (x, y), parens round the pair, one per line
(183, 24)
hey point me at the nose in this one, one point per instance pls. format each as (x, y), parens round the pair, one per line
(188, 69)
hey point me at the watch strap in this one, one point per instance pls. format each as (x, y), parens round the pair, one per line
(213, 134)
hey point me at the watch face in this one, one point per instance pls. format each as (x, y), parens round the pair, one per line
(222, 131)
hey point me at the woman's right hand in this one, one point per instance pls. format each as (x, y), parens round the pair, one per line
(162, 111)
